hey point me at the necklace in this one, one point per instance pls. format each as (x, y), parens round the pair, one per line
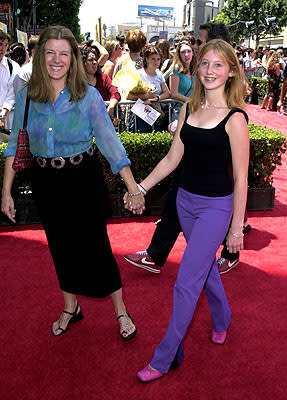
(209, 106)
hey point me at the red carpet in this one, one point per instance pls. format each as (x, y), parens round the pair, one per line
(91, 362)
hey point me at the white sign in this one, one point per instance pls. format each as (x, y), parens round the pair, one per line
(3, 27)
(145, 112)
(22, 37)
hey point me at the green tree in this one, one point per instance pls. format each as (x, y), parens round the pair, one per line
(236, 11)
(54, 12)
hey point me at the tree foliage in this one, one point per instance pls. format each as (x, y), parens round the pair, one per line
(54, 12)
(236, 11)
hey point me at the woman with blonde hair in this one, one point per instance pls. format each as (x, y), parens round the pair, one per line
(212, 136)
(273, 71)
(115, 51)
(180, 80)
(65, 115)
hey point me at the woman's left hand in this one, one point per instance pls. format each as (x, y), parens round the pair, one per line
(234, 244)
(135, 204)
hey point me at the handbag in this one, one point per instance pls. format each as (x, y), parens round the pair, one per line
(23, 157)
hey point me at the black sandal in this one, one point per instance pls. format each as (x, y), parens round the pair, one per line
(124, 331)
(75, 318)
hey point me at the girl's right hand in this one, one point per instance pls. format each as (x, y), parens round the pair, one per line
(8, 207)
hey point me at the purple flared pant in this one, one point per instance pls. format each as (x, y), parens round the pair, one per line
(204, 221)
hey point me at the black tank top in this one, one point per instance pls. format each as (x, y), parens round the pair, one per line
(207, 161)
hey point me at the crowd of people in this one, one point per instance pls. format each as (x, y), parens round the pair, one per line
(65, 85)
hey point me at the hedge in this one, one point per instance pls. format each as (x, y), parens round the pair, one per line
(145, 150)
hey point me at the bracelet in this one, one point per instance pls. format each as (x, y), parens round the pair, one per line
(134, 194)
(238, 236)
(142, 189)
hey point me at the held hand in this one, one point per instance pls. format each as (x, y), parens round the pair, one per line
(8, 208)
(135, 204)
(2, 123)
(152, 94)
(234, 244)
(111, 112)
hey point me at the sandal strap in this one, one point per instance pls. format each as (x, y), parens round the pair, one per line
(72, 313)
(127, 316)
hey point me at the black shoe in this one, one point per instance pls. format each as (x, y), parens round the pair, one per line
(75, 318)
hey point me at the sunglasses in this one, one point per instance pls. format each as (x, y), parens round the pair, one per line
(199, 42)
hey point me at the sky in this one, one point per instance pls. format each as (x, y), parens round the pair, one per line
(114, 12)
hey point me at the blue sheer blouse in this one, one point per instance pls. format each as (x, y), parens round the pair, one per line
(66, 129)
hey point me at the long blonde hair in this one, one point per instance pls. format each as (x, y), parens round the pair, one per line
(40, 88)
(234, 87)
(274, 59)
(177, 61)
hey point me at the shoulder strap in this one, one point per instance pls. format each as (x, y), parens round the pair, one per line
(233, 111)
(186, 111)
(10, 66)
(26, 112)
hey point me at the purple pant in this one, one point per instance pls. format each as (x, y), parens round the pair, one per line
(204, 221)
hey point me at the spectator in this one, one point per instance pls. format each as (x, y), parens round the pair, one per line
(8, 71)
(100, 80)
(248, 64)
(180, 81)
(23, 76)
(136, 40)
(273, 72)
(150, 73)
(115, 51)
(122, 40)
(19, 54)
(265, 57)
(104, 55)
(164, 46)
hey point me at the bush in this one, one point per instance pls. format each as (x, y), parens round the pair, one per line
(259, 86)
(145, 150)
(266, 149)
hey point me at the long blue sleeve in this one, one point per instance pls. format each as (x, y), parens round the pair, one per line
(66, 129)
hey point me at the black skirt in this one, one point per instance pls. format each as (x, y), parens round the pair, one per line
(71, 203)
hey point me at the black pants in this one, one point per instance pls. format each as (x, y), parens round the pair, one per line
(168, 229)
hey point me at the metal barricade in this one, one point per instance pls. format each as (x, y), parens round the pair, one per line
(123, 110)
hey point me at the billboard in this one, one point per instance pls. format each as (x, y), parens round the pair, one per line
(155, 12)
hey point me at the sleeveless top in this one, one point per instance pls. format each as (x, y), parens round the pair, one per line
(207, 160)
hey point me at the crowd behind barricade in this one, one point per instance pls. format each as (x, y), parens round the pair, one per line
(129, 68)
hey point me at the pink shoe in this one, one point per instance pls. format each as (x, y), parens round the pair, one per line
(148, 374)
(218, 337)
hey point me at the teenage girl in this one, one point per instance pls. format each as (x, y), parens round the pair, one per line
(211, 137)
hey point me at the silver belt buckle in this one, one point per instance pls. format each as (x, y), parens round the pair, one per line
(90, 152)
(42, 162)
(58, 162)
(77, 159)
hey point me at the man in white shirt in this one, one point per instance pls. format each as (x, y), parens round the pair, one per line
(23, 76)
(248, 64)
(8, 71)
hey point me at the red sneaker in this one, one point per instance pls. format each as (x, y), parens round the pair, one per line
(225, 265)
(142, 260)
